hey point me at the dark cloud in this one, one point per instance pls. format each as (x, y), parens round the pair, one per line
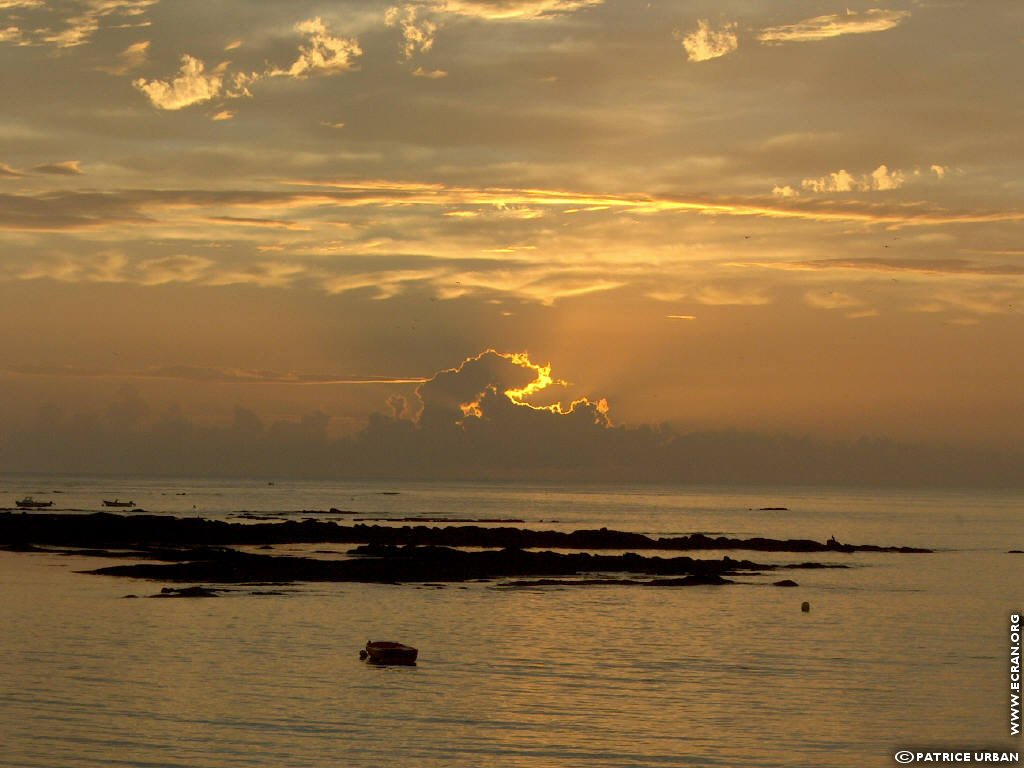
(501, 438)
(190, 373)
(65, 210)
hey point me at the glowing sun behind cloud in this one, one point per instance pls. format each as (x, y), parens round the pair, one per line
(463, 392)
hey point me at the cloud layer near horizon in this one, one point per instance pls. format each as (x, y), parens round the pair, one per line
(496, 435)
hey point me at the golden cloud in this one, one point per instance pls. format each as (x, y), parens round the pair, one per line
(322, 53)
(834, 25)
(514, 10)
(191, 86)
(391, 193)
(417, 34)
(705, 43)
(75, 22)
(880, 179)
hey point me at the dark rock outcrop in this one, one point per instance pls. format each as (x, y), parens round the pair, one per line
(198, 550)
(388, 564)
(102, 529)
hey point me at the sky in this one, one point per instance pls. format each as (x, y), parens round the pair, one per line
(669, 241)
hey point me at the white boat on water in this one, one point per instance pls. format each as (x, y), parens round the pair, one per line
(118, 503)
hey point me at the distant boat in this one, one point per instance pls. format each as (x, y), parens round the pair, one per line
(387, 652)
(118, 503)
(29, 503)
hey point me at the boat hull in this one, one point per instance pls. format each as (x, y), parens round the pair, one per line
(386, 652)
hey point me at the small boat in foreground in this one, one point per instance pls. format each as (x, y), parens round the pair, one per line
(118, 503)
(387, 652)
(29, 503)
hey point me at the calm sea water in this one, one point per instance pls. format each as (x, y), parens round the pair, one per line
(899, 651)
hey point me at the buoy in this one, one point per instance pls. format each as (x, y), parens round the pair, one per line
(805, 607)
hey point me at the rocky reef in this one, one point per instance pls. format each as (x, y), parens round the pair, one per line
(196, 550)
(103, 529)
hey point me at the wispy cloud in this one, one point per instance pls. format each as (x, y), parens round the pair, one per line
(417, 33)
(6, 172)
(431, 74)
(705, 43)
(387, 192)
(923, 267)
(65, 168)
(250, 221)
(322, 53)
(515, 10)
(72, 23)
(716, 296)
(211, 375)
(834, 25)
(115, 267)
(315, 202)
(131, 58)
(919, 266)
(850, 305)
(65, 211)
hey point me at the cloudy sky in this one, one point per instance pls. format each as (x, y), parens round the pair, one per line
(728, 217)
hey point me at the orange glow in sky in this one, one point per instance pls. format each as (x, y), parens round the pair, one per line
(777, 219)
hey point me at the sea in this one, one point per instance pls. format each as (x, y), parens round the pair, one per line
(899, 653)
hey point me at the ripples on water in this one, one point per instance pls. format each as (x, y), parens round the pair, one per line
(904, 651)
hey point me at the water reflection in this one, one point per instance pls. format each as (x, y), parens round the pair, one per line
(901, 648)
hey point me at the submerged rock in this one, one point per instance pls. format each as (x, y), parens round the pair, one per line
(687, 581)
(186, 592)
